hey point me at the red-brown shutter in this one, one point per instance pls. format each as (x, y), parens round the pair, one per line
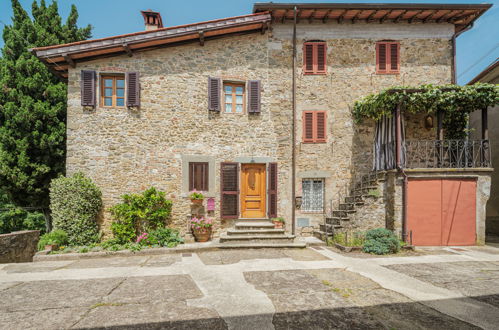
(254, 99)
(321, 57)
(381, 57)
(133, 89)
(272, 208)
(394, 57)
(214, 86)
(308, 126)
(87, 85)
(308, 58)
(229, 181)
(320, 127)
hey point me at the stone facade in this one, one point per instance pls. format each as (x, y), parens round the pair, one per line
(19, 246)
(125, 150)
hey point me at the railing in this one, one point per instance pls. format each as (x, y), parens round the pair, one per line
(447, 154)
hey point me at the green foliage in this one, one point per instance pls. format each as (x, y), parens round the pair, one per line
(140, 213)
(373, 193)
(33, 103)
(278, 219)
(55, 237)
(161, 237)
(13, 218)
(456, 102)
(75, 202)
(381, 241)
(196, 195)
(349, 239)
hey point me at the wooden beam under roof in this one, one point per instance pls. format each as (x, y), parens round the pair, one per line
(371, 15)
(341, 17)
(356, 16)
(400, 16)
(311, 17)
(326, 15)
(383, 18)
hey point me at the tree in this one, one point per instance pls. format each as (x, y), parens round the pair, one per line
(33, 103)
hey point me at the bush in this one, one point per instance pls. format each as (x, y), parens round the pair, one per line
(349, 239)
(15, 218)
(56, 237)
(381, 241)
(75, 202)
(166, 237)
(140, 213)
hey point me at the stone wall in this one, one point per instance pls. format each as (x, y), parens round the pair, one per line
(19, 246)
(127, 151)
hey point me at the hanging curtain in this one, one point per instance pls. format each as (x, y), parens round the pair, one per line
(384, 144)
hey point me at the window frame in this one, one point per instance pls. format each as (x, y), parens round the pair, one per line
(388, 64)
(234, 85)
(304, 195)
(114, 96)
(315, 58)
(206, 180)
(315, 138)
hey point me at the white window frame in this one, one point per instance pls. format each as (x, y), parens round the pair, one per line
(311, 203)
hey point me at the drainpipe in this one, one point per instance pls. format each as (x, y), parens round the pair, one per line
(293, 133)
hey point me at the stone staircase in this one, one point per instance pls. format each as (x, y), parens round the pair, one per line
(342, 214)
(257, 233)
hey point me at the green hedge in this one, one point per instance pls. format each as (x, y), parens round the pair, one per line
(75, 202)
(381, 241)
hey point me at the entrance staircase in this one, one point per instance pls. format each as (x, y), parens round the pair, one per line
(342, 211)
(257, 233)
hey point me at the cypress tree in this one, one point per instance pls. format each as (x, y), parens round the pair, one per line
(33, 103)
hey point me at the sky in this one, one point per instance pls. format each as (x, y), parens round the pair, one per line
(476, 49)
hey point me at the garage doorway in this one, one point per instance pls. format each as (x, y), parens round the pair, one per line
(441, 212)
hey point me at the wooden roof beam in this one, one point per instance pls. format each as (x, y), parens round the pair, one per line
(400, 16)
(312, 16)
(70, 61)
(201, 38)
(427, 18)
(371, 15)
(383, 18)
(127, 49)
(341, 17)
(326, 16)
(356, 16)
(284, 16)
(415, 16)
(454, 18)
(444, 16)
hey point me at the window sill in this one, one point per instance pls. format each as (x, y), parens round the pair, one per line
(315, 74)
(388, 73)
(312, 212)
(307, 142)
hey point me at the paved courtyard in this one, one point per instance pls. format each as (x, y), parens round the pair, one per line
(256, 289)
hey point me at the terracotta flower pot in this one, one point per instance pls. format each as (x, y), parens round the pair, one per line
(50, 247)
(197, 201)
(278, 224)
(202, 234)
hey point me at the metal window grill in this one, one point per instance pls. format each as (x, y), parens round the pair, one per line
(313, 195)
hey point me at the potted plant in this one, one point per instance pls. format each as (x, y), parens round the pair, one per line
(278, 222)
(201, 228)
(196, 197)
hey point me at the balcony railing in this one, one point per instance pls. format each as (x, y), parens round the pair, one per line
(447, 154)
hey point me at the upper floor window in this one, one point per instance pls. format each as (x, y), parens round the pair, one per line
(234, 98)
(314, 57)
(113, 90)
(388, 57)
(314, 126)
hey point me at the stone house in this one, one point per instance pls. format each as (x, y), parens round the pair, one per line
(256, 112)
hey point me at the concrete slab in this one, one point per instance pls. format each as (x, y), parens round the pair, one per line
(59, 318)
(162, 261)
(109, 262)
(30, 267)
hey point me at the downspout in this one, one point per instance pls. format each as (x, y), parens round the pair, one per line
(293, 133)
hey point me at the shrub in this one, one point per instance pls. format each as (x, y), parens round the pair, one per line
(166, 237)
(196, 195)
(55, 237)
(349, 239)
(381, 241)
(140, 213)
(14, 218)
(75, 202)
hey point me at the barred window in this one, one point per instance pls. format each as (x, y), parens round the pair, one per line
(313, 195)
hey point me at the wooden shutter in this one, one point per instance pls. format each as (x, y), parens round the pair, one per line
(214, 86)
(308, 58)
(133, 89)
(229, 181)
(254, 99)
(320, 127)
(387, 57)
(308, 126)
(272, 194)
(321, 57)
(87, 84)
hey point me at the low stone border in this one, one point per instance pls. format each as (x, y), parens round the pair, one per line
(348, 248)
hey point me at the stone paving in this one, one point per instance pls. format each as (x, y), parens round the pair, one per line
(256, 289)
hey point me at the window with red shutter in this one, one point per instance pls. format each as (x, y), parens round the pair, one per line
(314, 127)
(272, 194)
(387, 57)
(229, 182)
(314, 57)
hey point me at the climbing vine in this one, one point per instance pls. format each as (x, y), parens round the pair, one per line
(456, 102)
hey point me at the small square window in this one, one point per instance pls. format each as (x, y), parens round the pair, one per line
(113, 91)
(234, 98)
(313, 195)
(198, 176)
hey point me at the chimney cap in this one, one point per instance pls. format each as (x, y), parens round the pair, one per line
(152, 19)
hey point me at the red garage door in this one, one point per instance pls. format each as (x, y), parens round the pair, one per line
(441, 211)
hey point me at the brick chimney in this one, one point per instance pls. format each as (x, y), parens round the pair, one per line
(152, 20)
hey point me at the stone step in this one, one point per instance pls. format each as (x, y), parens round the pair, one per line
(322, 235)
(342, 213)
(330, 228)
(263, 231)
(255, 224)
(244, 239)
(358, 200)
(347, 206)
(266, 245)
(336, 220)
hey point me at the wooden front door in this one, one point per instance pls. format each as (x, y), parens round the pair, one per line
(253, 188)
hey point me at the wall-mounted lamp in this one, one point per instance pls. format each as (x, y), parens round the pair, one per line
(298, 201)
(428, 122)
